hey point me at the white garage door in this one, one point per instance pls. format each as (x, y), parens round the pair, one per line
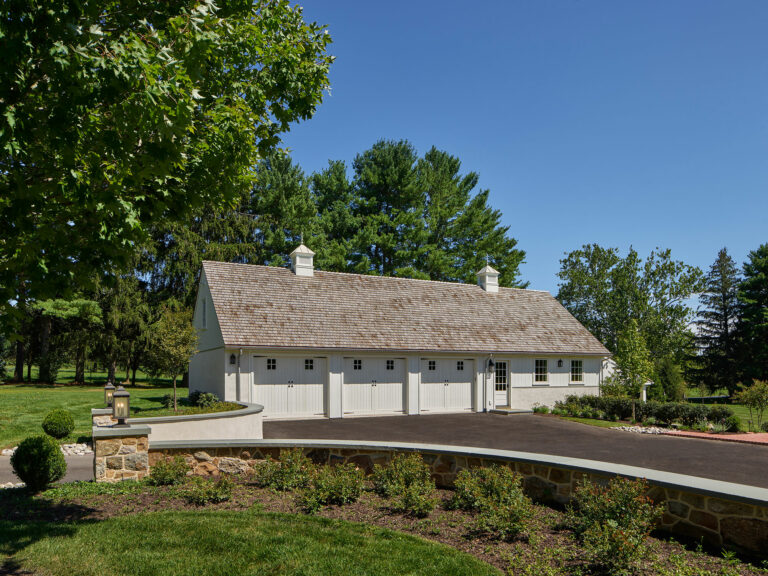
(289, 387)
(373, 385)
(446, 385)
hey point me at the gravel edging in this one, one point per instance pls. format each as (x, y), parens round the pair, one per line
(66, 449)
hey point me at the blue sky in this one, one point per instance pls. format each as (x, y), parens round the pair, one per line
(621, 123)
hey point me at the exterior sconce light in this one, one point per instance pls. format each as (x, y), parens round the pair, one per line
(491, 365)
(232, 359)
(121, 407)
(559, 363)
(109, 390)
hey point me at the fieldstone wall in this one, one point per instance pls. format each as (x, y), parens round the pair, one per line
(120, 458)
(718, 521)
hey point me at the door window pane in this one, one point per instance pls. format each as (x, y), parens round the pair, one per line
(501, 376)
(541, 372)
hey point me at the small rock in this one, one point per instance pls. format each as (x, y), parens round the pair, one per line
(641, 429)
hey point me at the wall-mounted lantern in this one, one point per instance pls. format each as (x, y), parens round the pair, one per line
(121, 406)
(491, 365)
(232, 359)
(109, 390)
(560, 363)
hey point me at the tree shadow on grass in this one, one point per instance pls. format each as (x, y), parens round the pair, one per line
(26, 519)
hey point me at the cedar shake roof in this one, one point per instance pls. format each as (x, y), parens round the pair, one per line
(268, 307)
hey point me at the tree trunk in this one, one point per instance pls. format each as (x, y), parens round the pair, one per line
(80, 367)
(18, 372)
(175, 408)
(112, 369)
(29, 368)
(133, 374)
(128, 372)
(45, 349)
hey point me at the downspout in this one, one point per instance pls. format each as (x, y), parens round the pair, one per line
(489, 384)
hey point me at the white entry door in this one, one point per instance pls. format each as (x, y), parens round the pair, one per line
(446, 385)
(501, 385)
(373, 385)
(289, 387)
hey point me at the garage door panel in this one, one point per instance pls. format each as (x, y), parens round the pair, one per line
(289, 387)
(376, 387)
(447, 387)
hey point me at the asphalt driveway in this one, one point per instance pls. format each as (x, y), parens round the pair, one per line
(78, 468)
(743, 464)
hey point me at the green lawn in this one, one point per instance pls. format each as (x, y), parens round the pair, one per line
(593, 422)
(200, 543)
(741, 411)
(23, 407)
(66, 375)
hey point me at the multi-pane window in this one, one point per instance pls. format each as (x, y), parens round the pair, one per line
(541, 372)
(390, 364)
(577, 371)
(309, 364)
(501, 376)
(271, 363)
(357, 364)
(431, 365)
(460, 365)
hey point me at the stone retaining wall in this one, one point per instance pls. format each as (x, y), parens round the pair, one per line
(120, 454)
(717, 520)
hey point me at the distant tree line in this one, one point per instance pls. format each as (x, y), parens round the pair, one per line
(391, 213)
(639, 308)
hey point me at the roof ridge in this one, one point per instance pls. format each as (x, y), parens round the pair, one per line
(377, 276)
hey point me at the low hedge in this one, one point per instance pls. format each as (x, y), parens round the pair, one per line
(58, 423)
(664, 413)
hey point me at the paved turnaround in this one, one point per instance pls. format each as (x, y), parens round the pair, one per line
(78, 468)
(742, 464)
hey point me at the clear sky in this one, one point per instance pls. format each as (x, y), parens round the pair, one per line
(638, 123)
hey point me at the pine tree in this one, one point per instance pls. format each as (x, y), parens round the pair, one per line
(753, 315)
(717, 315)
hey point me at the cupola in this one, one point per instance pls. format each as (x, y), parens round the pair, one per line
(488, 278)
(302, 261)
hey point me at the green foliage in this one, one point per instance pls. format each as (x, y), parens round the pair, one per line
(753, 315)
(58, 423)
(202, 399)
(342, 484)
(495, 493)
(168, 471)
(633, 360)
(605, 291)
(115, 117)
(291, 471)
(540, 409)
(612, 522)
(669, 383)
(38, 462)
(755, 398)
(76, 490)
(407, 482)
(201, 491)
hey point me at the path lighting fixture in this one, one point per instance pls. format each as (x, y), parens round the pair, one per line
(560, 363)
(109, 390)
(121, 406)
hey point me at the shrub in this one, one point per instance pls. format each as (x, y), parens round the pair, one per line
(612, 522)
(38, 462)
(290, 472)
(203, 399)
(496, 494)
(540, 409)
(733, 423)
(202, 491)
(58, 423)
(755, 398)
(167, 401)
(407, 481)
(338, 485)
(168, 471)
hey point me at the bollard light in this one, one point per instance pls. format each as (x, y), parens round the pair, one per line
(109, 390)
(121, 406)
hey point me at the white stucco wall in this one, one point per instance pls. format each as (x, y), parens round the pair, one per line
(246, 425)
(206, 373)
(526, 398)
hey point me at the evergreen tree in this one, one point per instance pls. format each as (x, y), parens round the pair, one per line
(716, 365)
(753, 315)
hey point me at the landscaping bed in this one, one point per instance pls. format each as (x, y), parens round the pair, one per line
(62, 524)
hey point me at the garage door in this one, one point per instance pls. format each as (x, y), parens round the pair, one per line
(289, 387)
(446, 385)
(373, 385)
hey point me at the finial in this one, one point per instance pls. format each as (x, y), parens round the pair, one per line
(302, 238)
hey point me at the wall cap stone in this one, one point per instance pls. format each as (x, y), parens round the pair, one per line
(101, 411)
(104, 432)
(705, 486)
(247, 410)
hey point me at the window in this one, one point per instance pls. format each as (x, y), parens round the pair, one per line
(460, 365)
(271, 363)
(205, 314)
(309, 364)
(431, 364)
(577, 371)
(501, 376)
(390, 364)
(357, 364)
(540, 373)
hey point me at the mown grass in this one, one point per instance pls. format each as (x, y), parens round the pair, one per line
(593, 422)
(202, 543)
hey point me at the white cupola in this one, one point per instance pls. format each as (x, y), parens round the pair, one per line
(488, 278)
(302, 261)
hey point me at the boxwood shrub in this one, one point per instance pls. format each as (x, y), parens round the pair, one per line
(38, 462)
(58, 423)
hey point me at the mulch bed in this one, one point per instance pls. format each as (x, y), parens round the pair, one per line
(452, 527)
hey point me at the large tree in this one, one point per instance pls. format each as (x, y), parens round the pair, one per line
(716, 339)
(753, 315)
(605, 292)
(116, 115)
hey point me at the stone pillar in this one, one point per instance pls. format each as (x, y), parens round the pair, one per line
(120, 453)
(102, 417)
